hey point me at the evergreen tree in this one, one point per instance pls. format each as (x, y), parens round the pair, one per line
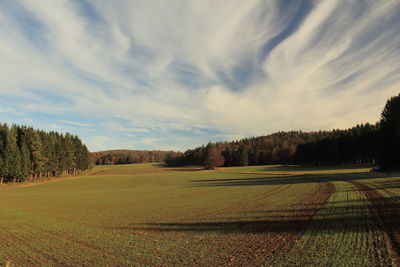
(38, 159)
(49, 148)
(82, 155)
(69, 160)
(390, 135)
(169, 159)
(28, 153)
(12, 158)
(23, 146)
(243, 155)
(3, 144)
(254, 156)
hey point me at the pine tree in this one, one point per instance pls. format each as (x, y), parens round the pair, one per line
(390, 135)
(82, 155)
(243, 155)
(12, 158)
(3, 144)
(49, 153)
(69, 152)
(37, 155)
(25, 152)
(23, 145)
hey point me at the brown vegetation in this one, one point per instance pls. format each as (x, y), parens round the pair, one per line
(123, 156)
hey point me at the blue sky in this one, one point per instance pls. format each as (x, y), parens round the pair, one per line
(175, 74)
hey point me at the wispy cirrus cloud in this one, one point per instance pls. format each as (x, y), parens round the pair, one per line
(148, 141)
(75, 123)
(185, 72)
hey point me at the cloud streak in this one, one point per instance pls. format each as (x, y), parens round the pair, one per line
(75, 123)
(193, 71)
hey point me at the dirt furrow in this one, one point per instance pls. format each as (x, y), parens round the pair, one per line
(259, 248)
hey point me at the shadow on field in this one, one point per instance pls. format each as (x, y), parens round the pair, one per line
(341, 216)
(291, 179)
(302, 168)
(191, 169)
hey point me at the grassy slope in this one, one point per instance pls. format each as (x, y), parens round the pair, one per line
(145, 214)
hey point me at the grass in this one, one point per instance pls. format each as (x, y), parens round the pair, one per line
(341, 234)
(149, 215)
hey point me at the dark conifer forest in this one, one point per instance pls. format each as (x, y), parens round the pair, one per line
(27, 154)
(352, 146)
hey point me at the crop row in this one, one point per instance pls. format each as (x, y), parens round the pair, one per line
(343, 233)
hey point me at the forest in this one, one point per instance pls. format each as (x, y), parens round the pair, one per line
(27, 154)
(124, 156)
(365, 144)
(351, 146)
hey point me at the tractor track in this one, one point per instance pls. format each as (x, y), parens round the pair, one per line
(258, 249)
(385, 214)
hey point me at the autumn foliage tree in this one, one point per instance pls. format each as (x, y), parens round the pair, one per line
(212, 157)
(115, 157)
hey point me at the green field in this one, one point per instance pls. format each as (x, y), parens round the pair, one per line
(246, 216)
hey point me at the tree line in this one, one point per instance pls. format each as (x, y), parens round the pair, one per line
(365, 144)
(355, 146)
(115, 157)
(351, 146)
(28, 154)
(271, 149)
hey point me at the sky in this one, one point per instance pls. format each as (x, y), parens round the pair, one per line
(175, 74)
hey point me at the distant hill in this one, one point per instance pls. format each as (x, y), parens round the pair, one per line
(124, 156)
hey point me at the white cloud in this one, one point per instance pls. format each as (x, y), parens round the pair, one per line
(169, 66)
(134, 130)
(75, 123)
(120, 127)
(148, 141)
(53, 127)
(10, 111)
(98, 143)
